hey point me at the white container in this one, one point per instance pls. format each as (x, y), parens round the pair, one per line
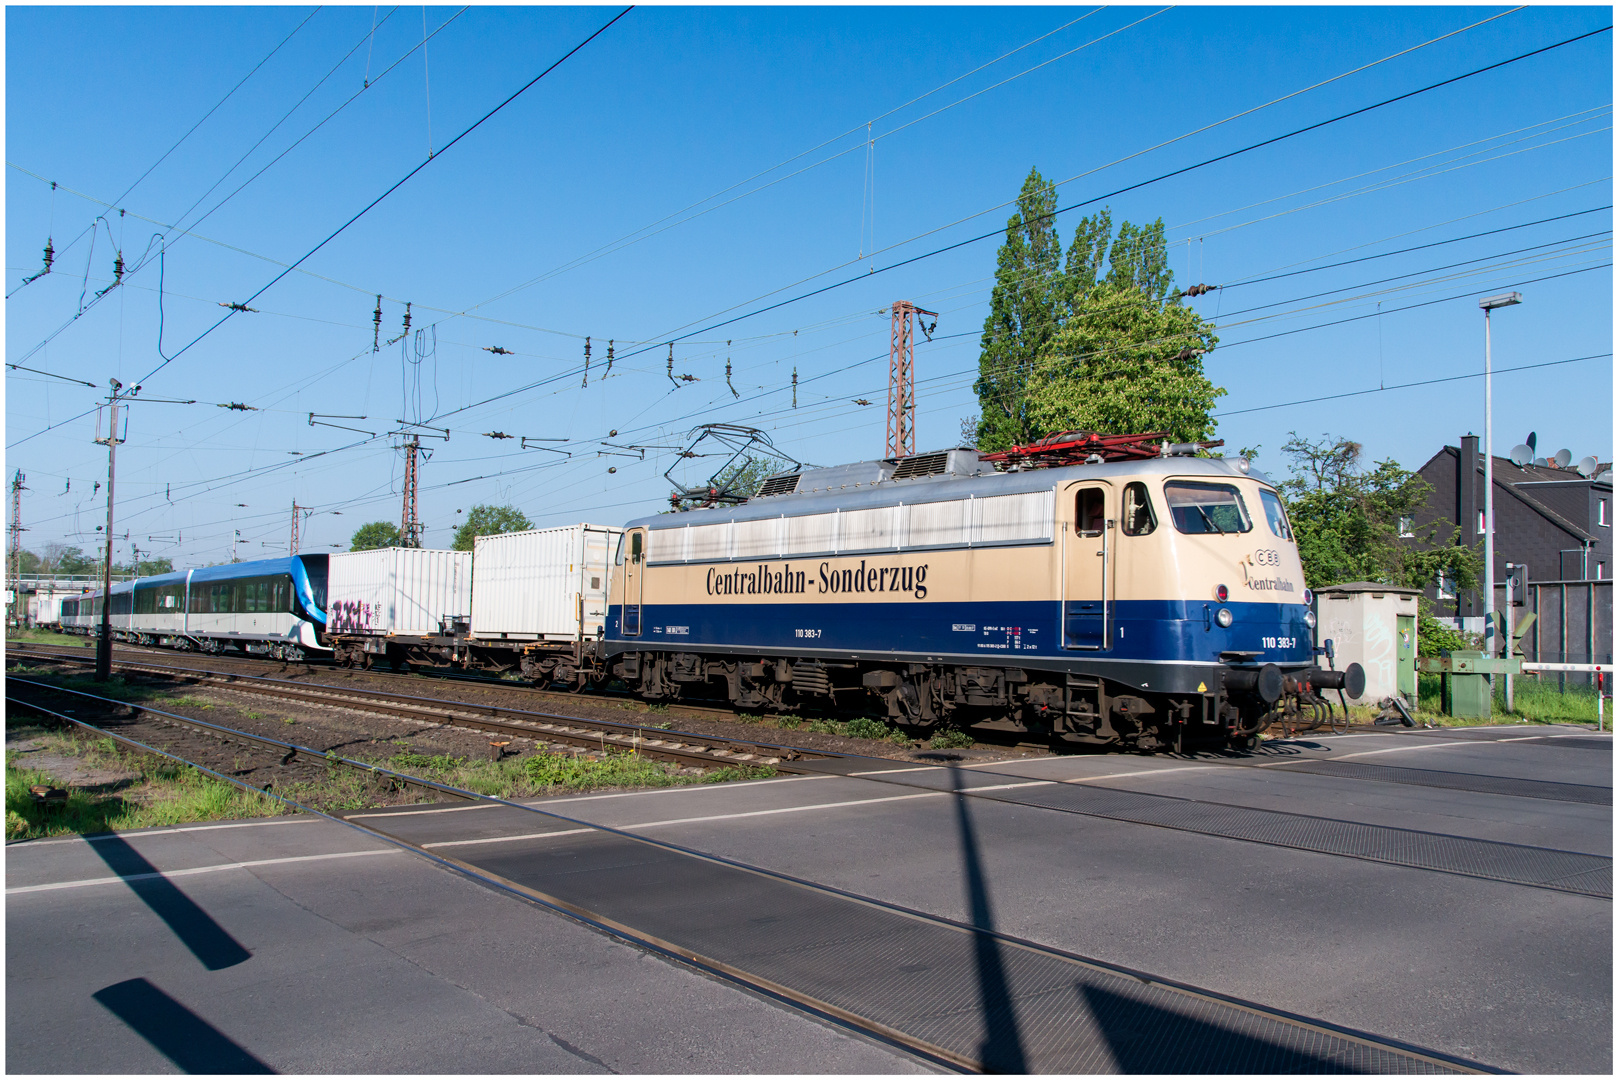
(409, 592)
(542, 585)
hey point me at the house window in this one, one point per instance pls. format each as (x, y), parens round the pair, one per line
(1407, 527)
(1483, 522)
(1601, 570)
(1601, 512)
(1446, 586)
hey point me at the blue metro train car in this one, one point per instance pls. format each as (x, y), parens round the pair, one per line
(272, 606)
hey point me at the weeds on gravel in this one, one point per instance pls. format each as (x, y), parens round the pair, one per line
(163, 794)
(582, 773)
(951, 740)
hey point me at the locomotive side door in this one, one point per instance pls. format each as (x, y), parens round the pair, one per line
(634, 579)
(1087, 575)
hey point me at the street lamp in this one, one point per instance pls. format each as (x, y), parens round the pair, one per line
(1488, 304)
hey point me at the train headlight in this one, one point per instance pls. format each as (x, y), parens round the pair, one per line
(1223, 617)
(1243, 465)
(1309, 619)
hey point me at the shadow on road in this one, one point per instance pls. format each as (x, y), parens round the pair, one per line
(176, 1032)
(207, 940)
(1002, 1050)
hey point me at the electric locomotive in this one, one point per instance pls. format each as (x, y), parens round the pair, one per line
(1103, 590)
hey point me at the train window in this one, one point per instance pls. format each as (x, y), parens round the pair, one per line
(618, 559)
(1138, 516)
(1092, 511)
(634, 547)
(1275, 514)
(1206, 508)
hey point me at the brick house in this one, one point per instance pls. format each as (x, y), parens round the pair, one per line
(1554, 520)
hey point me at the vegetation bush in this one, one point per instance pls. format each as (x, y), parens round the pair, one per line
(865, 728)
(951, 740)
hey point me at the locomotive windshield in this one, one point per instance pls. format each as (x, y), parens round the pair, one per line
(1206, 508)
(1275, 514)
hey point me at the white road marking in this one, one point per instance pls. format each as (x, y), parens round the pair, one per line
(97, 837)
(197, 870)
(735, 816)
(1445, 743)
(592, 798)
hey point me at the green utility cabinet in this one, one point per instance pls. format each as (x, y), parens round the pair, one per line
(1465, 678)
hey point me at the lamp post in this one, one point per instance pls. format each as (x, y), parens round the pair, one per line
(1488, 304)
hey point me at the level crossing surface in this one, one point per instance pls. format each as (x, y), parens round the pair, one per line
(1502, 959)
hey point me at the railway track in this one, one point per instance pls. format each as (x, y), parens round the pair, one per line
(256, 664)
(288, 752)
(683, 748)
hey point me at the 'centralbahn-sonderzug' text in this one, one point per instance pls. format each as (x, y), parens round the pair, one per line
(868, 577)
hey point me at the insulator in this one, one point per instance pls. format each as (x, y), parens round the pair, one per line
(609, 358)
(586, 362)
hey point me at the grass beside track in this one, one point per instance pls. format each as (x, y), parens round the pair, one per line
(153, 791)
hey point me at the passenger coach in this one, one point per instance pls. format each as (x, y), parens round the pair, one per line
(1143, 601)
(272, 606)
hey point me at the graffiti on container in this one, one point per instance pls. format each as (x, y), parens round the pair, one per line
(350, 615)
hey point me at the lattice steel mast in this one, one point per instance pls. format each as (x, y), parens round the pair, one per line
(902, 377)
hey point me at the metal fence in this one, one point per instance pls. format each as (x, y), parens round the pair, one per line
(1574, 624)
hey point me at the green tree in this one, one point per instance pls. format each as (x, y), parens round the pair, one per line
(1124, 361)
(485, 520)
(376, 534)
(1025, 312)
(1346, 520)
(1100, 345)
(146, 567)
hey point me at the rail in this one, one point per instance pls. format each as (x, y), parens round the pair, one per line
(684, 748)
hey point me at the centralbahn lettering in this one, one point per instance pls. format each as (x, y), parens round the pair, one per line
(762, 580)
(871, 576)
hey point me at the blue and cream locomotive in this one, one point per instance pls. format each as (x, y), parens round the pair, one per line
(1143, 601)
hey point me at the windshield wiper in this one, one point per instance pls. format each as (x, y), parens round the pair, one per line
(1208, 519)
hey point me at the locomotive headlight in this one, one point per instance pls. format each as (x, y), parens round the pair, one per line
(1223, 617)
(1309, 619)
(1243, 465)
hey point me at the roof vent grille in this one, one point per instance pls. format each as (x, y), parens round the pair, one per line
(778, 485)
(921, 465)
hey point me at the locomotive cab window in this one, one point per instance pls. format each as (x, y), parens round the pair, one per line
(1206, 508)
(1138, 516)
(1091, 515)
(1276, 514)
(618, 557)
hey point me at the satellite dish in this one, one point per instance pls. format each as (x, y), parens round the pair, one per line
(1533, 440)
(1522, 454)
(1587, 466)
(1563, 458)
(1542, 463)
(1605, 477)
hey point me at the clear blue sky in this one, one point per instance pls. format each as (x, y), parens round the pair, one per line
(498, 241)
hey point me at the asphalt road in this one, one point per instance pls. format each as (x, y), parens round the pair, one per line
(353, 957)
(383, 962)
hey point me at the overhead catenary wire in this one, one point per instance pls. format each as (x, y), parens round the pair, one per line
(396, 185)
(1181, 171)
